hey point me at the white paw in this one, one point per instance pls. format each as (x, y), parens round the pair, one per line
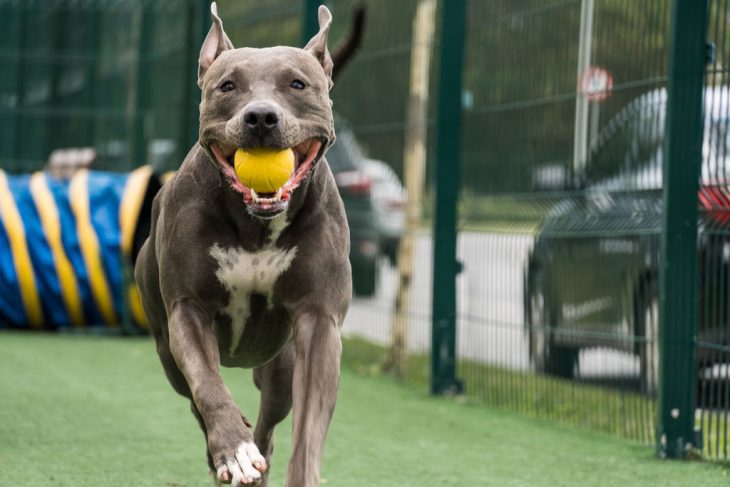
(247, 467)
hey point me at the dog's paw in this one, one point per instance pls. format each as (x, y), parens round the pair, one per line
(245, 468)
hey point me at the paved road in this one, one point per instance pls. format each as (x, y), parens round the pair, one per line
(489, 303)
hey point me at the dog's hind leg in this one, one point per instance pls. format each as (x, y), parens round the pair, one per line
(315, 384)
(274, 380)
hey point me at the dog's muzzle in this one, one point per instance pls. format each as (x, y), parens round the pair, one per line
(269, 205)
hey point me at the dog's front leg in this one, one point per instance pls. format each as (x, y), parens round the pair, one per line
(316, 380)
(230, 441)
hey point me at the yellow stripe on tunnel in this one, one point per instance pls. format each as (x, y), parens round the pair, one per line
(51, 223)
(135, 305)
(131, 204)
(89, 242)
(21, 256)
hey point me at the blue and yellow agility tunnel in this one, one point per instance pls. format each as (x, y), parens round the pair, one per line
(66, 248)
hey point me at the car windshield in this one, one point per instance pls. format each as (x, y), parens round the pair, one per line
(628, 152)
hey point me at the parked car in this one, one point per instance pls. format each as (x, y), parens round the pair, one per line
(591, 279)
(355, 185)
(389, 203)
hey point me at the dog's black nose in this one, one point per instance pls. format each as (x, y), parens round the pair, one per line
(261, 118)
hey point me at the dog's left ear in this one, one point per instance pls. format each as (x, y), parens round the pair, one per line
(317, 45)
(214, 44)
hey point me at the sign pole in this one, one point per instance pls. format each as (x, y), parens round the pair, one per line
(580, 136)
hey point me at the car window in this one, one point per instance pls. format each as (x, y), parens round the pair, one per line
(627, 151)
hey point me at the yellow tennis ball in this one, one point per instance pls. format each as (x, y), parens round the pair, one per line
(264, 170)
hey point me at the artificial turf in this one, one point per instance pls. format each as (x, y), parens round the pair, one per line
(80, 410)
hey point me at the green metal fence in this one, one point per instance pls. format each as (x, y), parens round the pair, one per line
(113, 75)
(712, 339)
(548, 301)
(551, 259)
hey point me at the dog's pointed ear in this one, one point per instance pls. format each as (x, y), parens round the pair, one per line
(317, 45)
(214, 44)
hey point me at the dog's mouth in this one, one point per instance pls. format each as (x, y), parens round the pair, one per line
(269, 205)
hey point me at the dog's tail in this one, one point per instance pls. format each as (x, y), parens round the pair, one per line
(351, 43)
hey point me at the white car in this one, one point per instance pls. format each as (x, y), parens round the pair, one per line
(389, 201)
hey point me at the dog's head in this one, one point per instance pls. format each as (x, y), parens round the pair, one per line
(276, 98)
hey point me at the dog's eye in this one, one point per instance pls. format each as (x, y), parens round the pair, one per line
(228, 86)
(297, 84)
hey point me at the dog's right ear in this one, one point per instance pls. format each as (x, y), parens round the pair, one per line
(214, 44)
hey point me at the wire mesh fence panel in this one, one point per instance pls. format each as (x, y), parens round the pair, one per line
(712, 352)
(262, 23)
(586, 329)
(561, 209)
(107, 75)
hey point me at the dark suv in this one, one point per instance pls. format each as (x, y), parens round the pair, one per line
(347, 163)
(592, 276)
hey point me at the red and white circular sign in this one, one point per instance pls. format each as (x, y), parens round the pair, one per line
(595, 83)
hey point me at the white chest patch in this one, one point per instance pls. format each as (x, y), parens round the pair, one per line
(243, 273)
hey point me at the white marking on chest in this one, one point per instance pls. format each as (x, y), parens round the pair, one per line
(243, 273)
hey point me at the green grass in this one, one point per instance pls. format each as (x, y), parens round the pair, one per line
(78, 411)
(621, 413)
(607, 409)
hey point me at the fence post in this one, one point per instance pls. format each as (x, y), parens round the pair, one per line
(447, 181)
(582, 105)
(310, 22)
(679, 286)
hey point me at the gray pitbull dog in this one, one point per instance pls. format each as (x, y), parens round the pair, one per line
(234, 278)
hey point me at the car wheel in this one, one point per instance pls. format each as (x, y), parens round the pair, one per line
(546, 356)
(365, 277)
(648, 330)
